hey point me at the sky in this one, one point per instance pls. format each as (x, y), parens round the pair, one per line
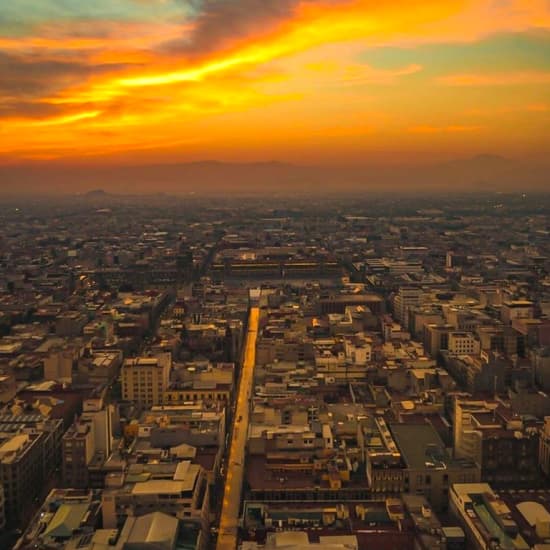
(300, 81)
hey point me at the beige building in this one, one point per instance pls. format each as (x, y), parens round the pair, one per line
(58, 365)
(406, 298)
(145, 379)
(463, 343)
(180, 491)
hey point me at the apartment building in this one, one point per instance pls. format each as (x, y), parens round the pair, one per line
(145, 379)
(30, 450)
(463, 343)
(505, 447)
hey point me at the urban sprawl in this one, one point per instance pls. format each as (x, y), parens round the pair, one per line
(264, 373)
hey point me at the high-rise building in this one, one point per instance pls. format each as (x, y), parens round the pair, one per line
(145, 379)
(77, 452)
(29, 453)
(406, 298)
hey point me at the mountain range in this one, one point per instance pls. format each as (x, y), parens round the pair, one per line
(480, 173)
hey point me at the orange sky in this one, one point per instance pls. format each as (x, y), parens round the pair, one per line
(297, 80)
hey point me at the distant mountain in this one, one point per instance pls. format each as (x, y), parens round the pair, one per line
(96, 194)
(483, 172)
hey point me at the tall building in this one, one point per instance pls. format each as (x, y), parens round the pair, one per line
(498, 441)
(77, 452)
(145, 379)
(91, 436)
(406, 298)
(30, 450)
(21, 474)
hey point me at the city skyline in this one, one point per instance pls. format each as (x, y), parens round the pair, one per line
(301, 82)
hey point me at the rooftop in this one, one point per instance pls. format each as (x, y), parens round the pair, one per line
(420, 445)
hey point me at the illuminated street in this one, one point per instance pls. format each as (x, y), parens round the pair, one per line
(227, 538)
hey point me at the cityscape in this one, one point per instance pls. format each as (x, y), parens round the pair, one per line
(336, 373)
(275, 275)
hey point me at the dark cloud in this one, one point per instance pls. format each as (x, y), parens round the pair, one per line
(223, 21)
(33, 76)
(28, 109)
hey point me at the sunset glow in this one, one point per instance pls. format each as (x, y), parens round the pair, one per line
(296, 80)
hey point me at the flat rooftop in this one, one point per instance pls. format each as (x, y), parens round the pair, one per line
(414, 440)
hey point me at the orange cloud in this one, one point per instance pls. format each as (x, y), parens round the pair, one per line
(496, 79)
(452, 129)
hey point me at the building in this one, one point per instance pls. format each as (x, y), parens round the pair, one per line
(59, 363)
(490, 372)
(145, 379)
(332, 525)
(98, 368)
(21, 471)
(463, 343)
(30, 451)
(89, 439)
(77, 453)
(200, 382)
(540, 359)
(175, 426)
(8, 388)
(427, 527)
(385, 468)
(405, 299)
(430, 470)
(151, 531)
(516, 309)
(436, 338)
(179, 489)
(507, 520)
(67, 517)
(70, 323)
(499, 441)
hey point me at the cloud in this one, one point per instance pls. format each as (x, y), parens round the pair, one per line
(496, 79)
(221, 22)
(66, 119)
(364, 74)
(12, 107)
(83, 36)
(27, 77)
(452, 129)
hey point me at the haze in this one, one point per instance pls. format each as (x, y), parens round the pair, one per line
(393, 91)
